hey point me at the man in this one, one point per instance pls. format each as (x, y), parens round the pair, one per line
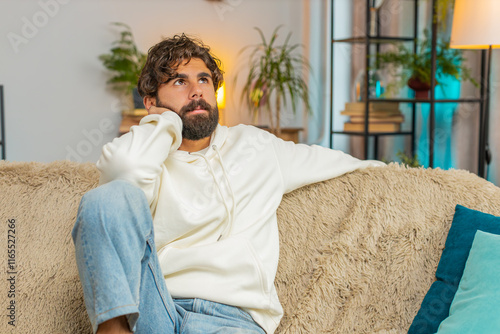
(211, 193)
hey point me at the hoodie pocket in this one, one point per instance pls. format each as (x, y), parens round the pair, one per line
(258, 265)
(229, 272)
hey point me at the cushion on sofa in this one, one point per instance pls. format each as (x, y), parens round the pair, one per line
(476, 305)
(436, 304)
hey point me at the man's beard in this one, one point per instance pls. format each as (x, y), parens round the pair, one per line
(198, 126)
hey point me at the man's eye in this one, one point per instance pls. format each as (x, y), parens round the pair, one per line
(204, 80)
(178, 82)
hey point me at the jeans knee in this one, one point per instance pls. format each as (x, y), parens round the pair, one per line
(113, 193)
(110, 200)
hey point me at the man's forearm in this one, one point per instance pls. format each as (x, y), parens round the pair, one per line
(137, 156)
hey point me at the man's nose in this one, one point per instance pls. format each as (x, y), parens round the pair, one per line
(196, 91)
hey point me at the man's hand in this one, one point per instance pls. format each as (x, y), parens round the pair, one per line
(156, 110)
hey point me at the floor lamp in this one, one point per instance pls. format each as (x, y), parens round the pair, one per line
(476, 26)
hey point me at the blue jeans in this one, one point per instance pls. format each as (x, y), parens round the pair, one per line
(120, 273)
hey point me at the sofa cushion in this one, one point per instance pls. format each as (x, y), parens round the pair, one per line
(476, 305)
(436, 304)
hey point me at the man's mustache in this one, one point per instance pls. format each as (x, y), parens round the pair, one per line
(196, 104)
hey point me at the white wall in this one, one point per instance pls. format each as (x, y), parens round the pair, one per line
(57, 103)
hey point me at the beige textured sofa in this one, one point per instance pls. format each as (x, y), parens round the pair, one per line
(358, 252)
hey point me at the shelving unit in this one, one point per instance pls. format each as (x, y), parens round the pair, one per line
(377, 40)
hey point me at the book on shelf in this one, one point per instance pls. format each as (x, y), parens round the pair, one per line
(382, 117)
(372, 127)
(396, 118)
(372, 106)
(372, 113)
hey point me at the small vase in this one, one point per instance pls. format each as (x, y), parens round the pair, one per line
(421, 89)
(375, 85)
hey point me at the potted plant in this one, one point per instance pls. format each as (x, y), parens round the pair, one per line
(406, 160)
(125, 62)
(276, 76)
(414, 68)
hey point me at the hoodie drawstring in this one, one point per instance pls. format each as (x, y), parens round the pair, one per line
(230, 212)
(229, 227)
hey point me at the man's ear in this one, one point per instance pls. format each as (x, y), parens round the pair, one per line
(149, 101)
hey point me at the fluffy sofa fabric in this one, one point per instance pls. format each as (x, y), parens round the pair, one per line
(358, 253)
(476, 305)
(436, 304)
(43, 200)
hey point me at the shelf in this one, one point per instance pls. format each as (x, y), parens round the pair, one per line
(409, 100)
(371, 35)
(373, 39)
(400, 133)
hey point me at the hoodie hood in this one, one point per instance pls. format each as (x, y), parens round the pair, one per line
(218, 139)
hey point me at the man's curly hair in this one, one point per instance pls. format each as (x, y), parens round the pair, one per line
(165, 57)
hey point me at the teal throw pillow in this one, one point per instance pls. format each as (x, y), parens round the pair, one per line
(436, 304)
(476, 306)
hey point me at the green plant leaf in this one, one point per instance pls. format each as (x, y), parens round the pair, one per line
(275, 75)
(124, 60)
(404, 63)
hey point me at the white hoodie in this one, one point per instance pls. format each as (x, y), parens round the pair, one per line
(214, 213)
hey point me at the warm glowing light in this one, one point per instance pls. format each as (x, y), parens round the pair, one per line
(221, 96)
(475, 24)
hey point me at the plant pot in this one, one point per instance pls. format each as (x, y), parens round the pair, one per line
(421, 89)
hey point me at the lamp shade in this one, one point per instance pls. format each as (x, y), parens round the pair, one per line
(476, 24)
